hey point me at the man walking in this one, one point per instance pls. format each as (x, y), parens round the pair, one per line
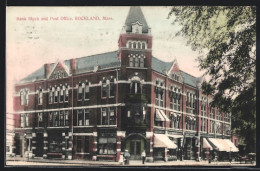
(143, 156)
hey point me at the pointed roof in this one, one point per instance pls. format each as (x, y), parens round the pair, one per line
(135, 14)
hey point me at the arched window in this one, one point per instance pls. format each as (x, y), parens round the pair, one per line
(135, 86)
(134, 45)
(131, 62)
(136, 61)
(130, 45)
(139, 45)
(141, 62)
(143, 45)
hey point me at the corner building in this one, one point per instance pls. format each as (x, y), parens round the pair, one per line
(96, 107)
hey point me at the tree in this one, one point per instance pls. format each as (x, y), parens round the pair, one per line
(227, 37)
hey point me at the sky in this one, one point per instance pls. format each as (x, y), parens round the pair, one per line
(31, 43)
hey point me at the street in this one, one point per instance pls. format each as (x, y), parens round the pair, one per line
(64, 163)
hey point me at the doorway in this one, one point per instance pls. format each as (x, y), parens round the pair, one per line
(135, 144)
(135, 149)
(39, 145)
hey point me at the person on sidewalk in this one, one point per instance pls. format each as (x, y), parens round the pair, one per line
(143, 156)
(121, 159)
(127, 157)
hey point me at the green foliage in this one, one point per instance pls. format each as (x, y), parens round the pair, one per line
(228, 37)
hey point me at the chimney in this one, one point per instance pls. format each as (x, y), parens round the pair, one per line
(72, 66)
(46, 69)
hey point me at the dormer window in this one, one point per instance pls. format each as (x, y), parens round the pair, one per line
(137, 28)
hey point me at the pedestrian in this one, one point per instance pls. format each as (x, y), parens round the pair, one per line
(127, 157)
(121, 159)
(143, 156)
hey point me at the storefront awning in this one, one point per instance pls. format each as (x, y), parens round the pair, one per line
(206, 144)
(232, 147)
(162, 141)
(175, 136)
(161, 116)
(224, 144)
(217, 144)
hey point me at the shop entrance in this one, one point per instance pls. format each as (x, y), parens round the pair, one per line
(135, 144)
(135, 149)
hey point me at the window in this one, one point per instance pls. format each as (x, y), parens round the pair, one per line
(107, 143)
(56, 94)
(159, 94)
(86, 148)
(212, 126)
(135, 87)
(40, 120)
(83, 117)
(108, 116)
(191, 103)
(190, 123)
(175, 98)
(139, 45)
(130, 45)
(66, 93)
(61, 118)
(86, 92)
(112, 87)
(55, 119)
(79, 144)
(80, 91)
(136, 61)
(175, 121)
(142, 62)
(62, 90)
(143, 45)
(134, 45)
(108, 87)
(80, 117)
(66, 118)
(203, 125)
(24, 97)
(104, 88)
(40, 97)
(22, 121)
(131, 62)
(51, 94)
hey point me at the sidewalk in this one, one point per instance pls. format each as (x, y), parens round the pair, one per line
(132, 163)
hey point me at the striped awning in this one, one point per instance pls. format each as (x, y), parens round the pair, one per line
(231, 145)
(224, 145)
(206, 144)
(161, 116)
(162, 141)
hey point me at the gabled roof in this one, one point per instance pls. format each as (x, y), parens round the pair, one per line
(110, 60)
(135, 14)
(83, 64)
(163, 67)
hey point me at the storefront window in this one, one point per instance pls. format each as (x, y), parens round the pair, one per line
(107, 143)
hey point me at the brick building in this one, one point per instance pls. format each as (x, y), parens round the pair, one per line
(97, 106)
